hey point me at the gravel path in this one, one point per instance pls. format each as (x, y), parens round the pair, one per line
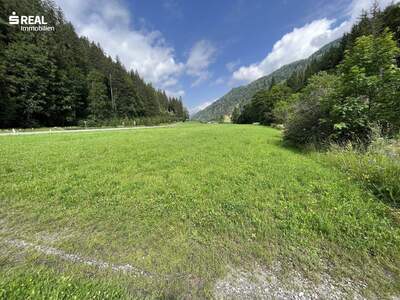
(263, 283)
(260, 283)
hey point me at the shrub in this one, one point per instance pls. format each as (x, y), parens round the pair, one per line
(343, 108)
(260, 108)
(284, 108)
(369, 73)
(310, 122)
(351, 122)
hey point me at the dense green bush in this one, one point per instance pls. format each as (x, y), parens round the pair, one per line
(345, 107)
(260, 109)
(370, 82)
(284, 108)
(310, 121)
(351, 122)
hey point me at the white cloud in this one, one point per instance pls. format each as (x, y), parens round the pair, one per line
(178, 93)
(232, 65)
(201, 56)
(303, 41)
(170, 82)
(200, 107)
(298, 44)
(110, 24)
(219, 80)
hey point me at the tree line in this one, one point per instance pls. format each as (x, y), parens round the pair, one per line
(349, 94)
(56, 78)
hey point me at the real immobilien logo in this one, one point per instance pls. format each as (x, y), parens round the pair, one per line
(29, 23)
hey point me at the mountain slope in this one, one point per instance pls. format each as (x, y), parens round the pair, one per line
(243, 94)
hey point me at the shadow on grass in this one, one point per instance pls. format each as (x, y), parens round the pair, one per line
(382, 193)
(288, 146)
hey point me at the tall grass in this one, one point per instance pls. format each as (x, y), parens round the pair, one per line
(377, 168)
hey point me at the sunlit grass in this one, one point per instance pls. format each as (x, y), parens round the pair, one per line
(186, 202)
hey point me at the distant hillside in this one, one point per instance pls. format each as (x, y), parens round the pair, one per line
(242, 95)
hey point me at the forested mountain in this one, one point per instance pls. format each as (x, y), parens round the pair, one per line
(297, 73)
(55, 78)
(242, 95)
(351, 93)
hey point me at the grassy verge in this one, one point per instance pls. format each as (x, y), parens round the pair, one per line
(186, 202)
(377, 169)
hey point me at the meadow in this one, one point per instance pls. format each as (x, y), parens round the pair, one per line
(181, 206)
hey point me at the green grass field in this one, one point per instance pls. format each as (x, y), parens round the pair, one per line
(183, 204)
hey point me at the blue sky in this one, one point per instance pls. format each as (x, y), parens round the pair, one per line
(201, 49)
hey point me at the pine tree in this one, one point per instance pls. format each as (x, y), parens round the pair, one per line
(272, 83)
(29, 75)
(99, 103)
(235, 115)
